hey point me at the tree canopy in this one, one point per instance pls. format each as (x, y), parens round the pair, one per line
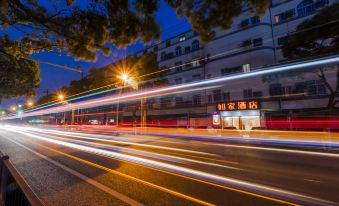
(82, 28)
(316, 36)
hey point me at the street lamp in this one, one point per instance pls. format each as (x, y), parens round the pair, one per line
(13, 108)
(29, 103)
(3, 113)
(19, 105)
(61, 97)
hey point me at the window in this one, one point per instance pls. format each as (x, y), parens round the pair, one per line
(282, 40)
(287, 90)
(196, 77)
(178, 66)
(178, 81)
(182, 38)
(246, 43)
(255, 19)
(257, 42)
(178, 51)
(284, 16)
(155, 48)
(320, 4)
(163, 56)
(195, 45)
(248, 93)
(306, 7)
(316, 87)
(246, 67)
(197, 99)
(209, 97)
(232, 70)
(217, 95)
(226, 96)
(299, 87)
(275, 89)
(196, 63)
(257, 94)
(187, 49)
(168, 43)
(244, 23)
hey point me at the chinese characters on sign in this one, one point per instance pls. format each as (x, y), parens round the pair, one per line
(238, 105)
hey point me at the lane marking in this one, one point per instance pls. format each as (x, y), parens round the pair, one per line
(90, 181)
(143, 153)
(277, 150)
(109, 139)
(192, 178)
(309, 180)
(130, 177)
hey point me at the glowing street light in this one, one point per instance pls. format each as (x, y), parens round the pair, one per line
(61, 97)
(29, 103)
(3, 113)
(20, 105)
(124, 77)
(13, 108)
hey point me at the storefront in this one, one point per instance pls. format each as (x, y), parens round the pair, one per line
(242, 115)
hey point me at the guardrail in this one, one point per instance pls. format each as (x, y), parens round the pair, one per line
(14, 190)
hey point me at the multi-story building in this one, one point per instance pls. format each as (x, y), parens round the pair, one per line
(252, 42)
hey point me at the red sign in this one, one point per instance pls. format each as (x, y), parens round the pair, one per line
(239, 105)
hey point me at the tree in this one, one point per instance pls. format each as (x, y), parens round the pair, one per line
(18, 76)
(96, 25)
(317, 36)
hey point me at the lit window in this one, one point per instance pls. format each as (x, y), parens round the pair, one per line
(182, 38)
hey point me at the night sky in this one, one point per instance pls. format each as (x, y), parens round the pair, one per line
(53, 78)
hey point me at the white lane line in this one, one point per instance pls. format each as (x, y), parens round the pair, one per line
(309, 180)
(106, 138)
(277, 150)
(213, 178)
(96, 184)
(171, 158)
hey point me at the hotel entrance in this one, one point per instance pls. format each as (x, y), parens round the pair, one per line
(242, 115)
(242, 122)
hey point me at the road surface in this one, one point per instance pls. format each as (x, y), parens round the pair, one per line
(79, 167)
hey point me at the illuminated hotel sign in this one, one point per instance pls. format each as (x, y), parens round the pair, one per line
(238, 105)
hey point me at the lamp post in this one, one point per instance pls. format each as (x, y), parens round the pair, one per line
(124, 78)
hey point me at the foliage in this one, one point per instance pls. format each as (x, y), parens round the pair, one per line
(84, 27)
(317, 36)
(18, 76)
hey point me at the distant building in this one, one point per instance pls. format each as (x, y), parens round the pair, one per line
(252, 42)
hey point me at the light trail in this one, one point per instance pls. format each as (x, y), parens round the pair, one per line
(200, 85)
(225, 182)
(169, 158)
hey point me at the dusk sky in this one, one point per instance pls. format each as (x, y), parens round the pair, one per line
(53, 78)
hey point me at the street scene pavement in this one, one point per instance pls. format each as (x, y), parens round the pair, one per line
(73, 166)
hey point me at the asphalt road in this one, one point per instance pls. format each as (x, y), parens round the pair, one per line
(84, 167)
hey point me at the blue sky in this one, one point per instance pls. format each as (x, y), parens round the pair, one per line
(54, 78)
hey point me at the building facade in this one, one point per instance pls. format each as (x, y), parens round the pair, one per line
(253, 42)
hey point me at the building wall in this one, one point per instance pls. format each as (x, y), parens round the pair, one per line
(230, 50)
